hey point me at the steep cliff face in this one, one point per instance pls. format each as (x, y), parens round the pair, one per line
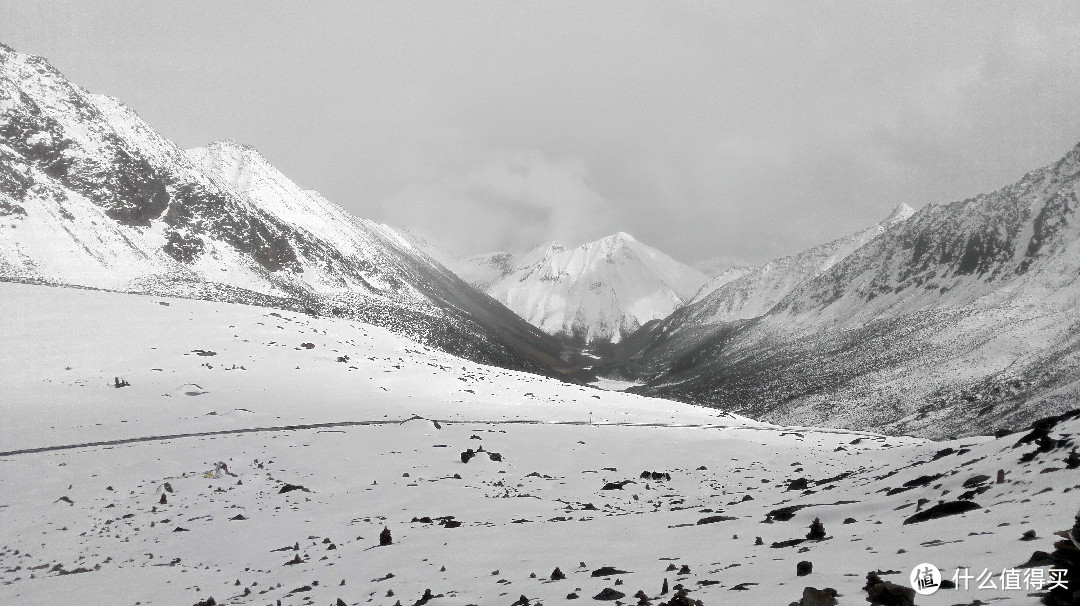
(957, 320)
(90, 195)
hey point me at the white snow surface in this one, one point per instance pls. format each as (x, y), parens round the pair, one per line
(397, 417)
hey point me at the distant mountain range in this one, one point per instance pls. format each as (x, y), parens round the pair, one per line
(596, 293)
(951, 320)
(90, 195)
(961, 318)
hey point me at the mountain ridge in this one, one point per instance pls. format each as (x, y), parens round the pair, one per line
(91, 195)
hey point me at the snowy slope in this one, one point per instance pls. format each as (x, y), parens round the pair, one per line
(597, 292)
(743, 293)
(91, 196)
(143, 518)
(961, 319)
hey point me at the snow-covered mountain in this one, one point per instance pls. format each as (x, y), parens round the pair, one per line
(595, 293)
(959, 319)
(90, 195)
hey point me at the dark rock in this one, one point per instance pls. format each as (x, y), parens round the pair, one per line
(609, 595)
(572, 596)
(788, 543)
(1038, 558)
(521, 601)
(685, 569)
(385, 537)
(942, 510)
(494, 456)
(849, 520)
(817, 531)
(557, 575)
(974, 481)
(292, 487)
(424, 599)
(714, 519)
(1028, 536)
(812, 596)
(207, 602)
(467, 455)
(798, 484)
(804, 568)
(887, 593)
(605, 571)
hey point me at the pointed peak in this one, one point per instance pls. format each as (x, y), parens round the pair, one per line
(620, 237)
(898, 215)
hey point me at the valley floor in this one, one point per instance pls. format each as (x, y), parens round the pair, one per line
(360, 430)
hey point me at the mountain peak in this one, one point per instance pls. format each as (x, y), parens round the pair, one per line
(898, 215)
(619, 237)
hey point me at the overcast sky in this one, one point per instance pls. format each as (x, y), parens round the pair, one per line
(717, 132)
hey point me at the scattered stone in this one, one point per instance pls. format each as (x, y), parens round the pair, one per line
(609, 595)
(557, 575)
(385, 538)
(467, 455)
(1028, 536)
(521, 601)
(163, 500)
(804, 568)
(849, 520)
(817, 531)
(798, 484)
(494, 456)
(685, 569)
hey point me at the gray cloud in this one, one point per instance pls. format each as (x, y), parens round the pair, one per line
(733, 131)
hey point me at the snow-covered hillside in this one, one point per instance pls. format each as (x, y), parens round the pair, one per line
(958, 320)
(332, 431)
(741, 293)
(597, 292)
(90, 195)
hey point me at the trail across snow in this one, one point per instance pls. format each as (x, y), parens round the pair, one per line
(375, 440)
